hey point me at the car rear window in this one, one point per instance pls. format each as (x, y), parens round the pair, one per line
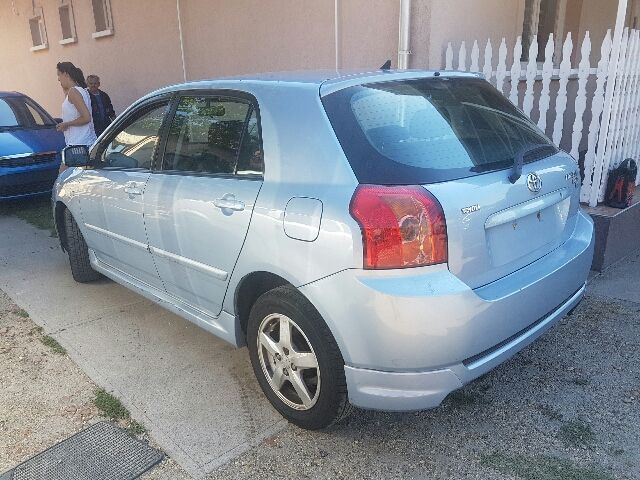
(430, 130)
(20, 112)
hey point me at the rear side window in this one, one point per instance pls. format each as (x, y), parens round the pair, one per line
(205, 136)
(22, 112)
(429, 130)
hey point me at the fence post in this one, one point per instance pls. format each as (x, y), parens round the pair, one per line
(561, 101)
(581, 97)
(532, 71)
(596, 109)
(501, 69)
(547, 74)
(488, 57)
(462, 57)
(516, 71)
(475, 57)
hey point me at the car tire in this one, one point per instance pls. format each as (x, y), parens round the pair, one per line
(325, 398)
(78, 252)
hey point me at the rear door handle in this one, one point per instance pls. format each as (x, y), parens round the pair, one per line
(229, 202)
(132, 188)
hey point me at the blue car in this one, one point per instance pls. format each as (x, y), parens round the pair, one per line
(29, 147)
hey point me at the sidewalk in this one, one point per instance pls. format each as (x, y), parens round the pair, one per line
(196, 395)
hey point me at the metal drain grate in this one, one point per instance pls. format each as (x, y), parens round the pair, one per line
(101, 452)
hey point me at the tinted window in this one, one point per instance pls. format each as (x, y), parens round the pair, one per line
(22, 112)
(429, 130)
(36, 114)
(205, 135)
(134, 146)
(8, 117)
(250, 160)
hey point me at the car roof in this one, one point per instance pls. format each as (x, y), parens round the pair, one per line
(327, 81)
(10, 94)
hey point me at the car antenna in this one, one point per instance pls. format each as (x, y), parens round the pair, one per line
(386, 65)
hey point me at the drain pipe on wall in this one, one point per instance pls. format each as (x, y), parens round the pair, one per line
(184, 68)
(404, 28)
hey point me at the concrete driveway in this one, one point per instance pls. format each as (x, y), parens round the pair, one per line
(196, 395)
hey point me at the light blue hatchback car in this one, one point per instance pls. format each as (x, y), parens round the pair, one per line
(376, 239)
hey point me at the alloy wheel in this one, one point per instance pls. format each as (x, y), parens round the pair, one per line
(288, 362)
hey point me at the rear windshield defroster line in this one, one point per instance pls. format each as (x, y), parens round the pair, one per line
(419, 131)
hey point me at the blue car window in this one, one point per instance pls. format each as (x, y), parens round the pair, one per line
(8, 117)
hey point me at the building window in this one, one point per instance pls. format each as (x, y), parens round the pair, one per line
(67, 23)
(102, 18)
(542, 18)
(38, 31)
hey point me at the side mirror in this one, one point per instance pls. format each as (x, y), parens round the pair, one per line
(75, 156)
(57, 120)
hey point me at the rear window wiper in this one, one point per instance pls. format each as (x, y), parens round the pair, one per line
(518, 159)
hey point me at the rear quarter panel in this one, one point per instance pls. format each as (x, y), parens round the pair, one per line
(302, 159)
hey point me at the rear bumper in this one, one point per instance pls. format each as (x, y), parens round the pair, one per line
(405, 391)
(23, 182)
(409, 338)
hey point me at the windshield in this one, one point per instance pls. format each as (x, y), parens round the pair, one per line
(21, 112)
(430, 130)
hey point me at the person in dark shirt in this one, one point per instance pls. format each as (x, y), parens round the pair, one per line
(101, 107)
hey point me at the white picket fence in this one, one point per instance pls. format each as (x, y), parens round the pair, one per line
(605, 148)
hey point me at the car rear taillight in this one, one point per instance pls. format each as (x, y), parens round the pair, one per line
(401, 226)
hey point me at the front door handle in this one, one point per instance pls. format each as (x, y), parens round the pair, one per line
(132, 188)
(229, 202)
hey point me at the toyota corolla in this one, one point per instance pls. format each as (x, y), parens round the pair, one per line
(376, 239)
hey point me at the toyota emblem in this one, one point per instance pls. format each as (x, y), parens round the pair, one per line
(534, 184)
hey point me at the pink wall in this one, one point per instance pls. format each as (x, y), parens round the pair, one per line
(247, 36)
(441, 21)
(221, 38)
(137, 59)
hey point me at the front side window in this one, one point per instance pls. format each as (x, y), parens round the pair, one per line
(134, 146)
(430, 130)
(205, 136)
(8, 117)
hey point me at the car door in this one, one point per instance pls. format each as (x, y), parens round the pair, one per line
(199, 202)
(113, 193)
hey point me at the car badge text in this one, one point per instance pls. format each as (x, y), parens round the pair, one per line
(574, 178)
(470, 209)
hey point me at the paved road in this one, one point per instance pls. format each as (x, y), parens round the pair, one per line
(196, 394)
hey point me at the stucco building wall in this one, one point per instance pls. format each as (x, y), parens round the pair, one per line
(221, 38)
(140, 57)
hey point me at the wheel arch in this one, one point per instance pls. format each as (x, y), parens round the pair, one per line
(249, 289)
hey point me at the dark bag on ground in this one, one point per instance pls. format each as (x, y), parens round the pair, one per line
(621, 184)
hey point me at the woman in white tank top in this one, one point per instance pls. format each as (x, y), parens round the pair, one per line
(77, 123)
